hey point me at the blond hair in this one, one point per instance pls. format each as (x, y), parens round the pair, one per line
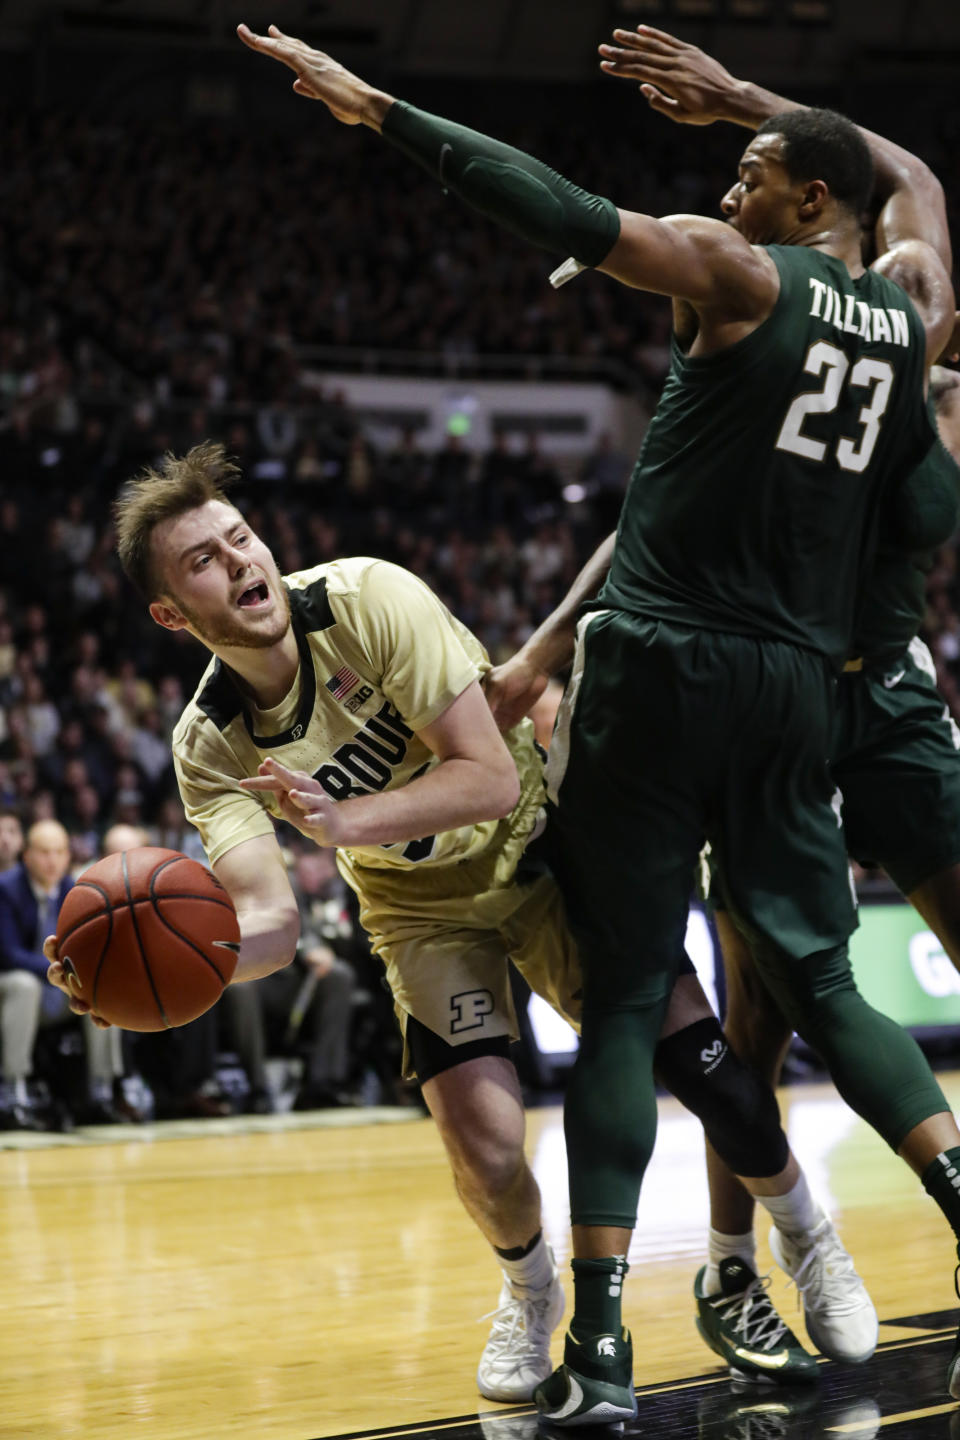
(165, 492)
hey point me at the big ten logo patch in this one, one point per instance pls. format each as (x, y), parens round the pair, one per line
(360, 698)
(469, 1009)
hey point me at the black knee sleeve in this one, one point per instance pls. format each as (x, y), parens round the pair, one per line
(737, 1110)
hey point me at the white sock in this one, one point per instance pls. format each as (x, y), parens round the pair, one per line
(533, 1272)
(797, 1212)
(721, 1247)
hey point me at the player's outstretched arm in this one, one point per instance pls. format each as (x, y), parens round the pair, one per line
(686, 84)
(704, 262)
(255, 878)
(513, 688)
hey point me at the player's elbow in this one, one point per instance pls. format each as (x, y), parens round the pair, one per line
(288, 937)
(504, 791)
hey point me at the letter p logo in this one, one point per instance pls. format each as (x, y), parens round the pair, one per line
(469, 1009)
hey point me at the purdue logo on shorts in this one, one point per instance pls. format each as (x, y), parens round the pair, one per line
(470, 1008)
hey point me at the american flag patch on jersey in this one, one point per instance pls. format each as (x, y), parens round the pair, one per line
(343, 682)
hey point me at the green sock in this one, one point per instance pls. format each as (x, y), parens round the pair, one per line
(597, 1287)
(941, 1180)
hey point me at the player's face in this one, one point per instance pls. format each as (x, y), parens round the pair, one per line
(763, 204)
(221, 578)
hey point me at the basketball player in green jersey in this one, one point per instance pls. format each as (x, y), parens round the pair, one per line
(701, 701)
(896, 751)
(897, 764)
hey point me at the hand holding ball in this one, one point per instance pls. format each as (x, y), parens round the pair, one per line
(149, 937)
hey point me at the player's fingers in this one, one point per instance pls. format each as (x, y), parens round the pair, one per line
(663, 37)
(303, 799)
(254, 41)
(55, 973)
(658, 101)
(317, 820)
(280, 772)
(637, 66)
(263, 782)
(99, 1021)
(50, 949)
(651, 42)
(628, 39)
(268, 45)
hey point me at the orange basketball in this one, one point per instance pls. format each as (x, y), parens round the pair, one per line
(151, 936)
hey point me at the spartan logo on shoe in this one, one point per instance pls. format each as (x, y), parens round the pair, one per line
(606, 1345)
(711, 1055)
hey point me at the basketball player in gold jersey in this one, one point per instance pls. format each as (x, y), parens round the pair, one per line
(346, 699)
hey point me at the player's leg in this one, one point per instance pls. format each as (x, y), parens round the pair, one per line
(841, 1317)
(741, 1119)
(627, 831)
(452, 999)
(899, 768)
(473, 1094)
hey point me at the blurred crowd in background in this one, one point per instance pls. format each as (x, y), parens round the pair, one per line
(165, 283)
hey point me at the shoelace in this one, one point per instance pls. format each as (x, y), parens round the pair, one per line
(827, 1267)
(519, 1317)
(753, 1315)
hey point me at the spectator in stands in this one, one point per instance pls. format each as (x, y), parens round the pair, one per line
(31, 894)
(11, 839)
(308, 1005)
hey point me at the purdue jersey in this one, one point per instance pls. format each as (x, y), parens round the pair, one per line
(753, 506)
(380, 658)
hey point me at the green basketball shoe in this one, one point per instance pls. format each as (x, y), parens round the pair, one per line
(593, 1386)
(744, 1329)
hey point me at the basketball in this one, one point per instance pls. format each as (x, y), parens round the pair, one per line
(151, 936)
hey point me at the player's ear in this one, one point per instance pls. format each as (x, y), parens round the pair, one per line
(165, 613)
(815, 195)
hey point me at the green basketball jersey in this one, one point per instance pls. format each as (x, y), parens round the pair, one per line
(919, 515)
(753, 505)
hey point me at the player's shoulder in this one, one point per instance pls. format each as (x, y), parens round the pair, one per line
(214, 706)
(343, 579)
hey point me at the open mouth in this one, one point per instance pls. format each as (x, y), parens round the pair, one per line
(253, 596)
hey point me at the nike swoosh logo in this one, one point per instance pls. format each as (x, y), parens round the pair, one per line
(572, 1403)
(891, 680)
(761, 1357)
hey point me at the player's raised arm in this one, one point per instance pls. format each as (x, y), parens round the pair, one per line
(255, 877)
(689, 86)
(699, 260)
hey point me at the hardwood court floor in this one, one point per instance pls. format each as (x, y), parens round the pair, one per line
(296, 1283)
